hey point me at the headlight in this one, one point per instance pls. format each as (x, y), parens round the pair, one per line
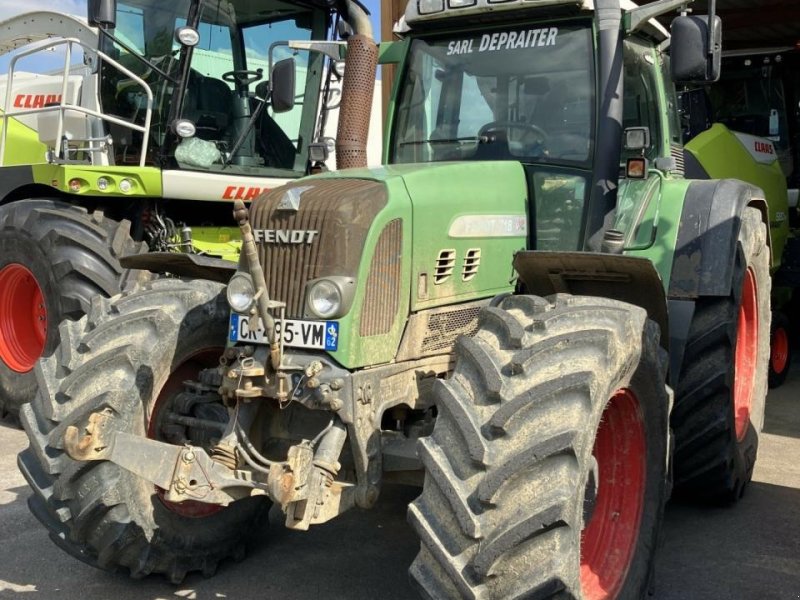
(241, 293)
(324, 299)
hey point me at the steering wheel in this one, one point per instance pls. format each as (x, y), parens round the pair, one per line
(242, 77)
(529, 128)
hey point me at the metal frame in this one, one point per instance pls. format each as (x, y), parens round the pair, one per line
(64, 106)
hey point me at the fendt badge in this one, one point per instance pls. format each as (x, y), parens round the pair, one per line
(284, 236)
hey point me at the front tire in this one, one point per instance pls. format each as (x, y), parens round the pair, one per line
(546, 472)
(130, 356)
(54, 258)
(719, 401)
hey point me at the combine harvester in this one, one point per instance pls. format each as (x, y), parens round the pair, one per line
(374, 330)
(756, 136)
(139, 142)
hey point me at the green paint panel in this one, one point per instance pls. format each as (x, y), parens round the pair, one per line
(724, 156)
(22, 145)
(431, 199)
(471, 212)
(653, 232)
(354, 350)
(146, 182)
(223, 242)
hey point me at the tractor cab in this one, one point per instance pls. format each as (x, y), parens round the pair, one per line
(528, 89)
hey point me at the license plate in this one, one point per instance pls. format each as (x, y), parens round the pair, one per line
(314, 335)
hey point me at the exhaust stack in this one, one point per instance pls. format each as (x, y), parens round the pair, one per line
(357, 90)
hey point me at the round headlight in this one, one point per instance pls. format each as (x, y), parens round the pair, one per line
(241, 293)
(325, 299)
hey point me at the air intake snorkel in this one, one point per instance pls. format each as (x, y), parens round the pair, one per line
(608, 147)
(357, 89)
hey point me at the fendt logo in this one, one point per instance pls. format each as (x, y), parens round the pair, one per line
(233, 192)
(764, 147)
(36, 100)
(284, 236)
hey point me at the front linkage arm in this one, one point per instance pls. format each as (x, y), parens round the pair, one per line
(303, 485)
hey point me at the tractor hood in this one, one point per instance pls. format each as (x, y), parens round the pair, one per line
(406, 238)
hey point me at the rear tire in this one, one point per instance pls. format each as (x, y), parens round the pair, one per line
(122, 357)
(719, 402)
(54, 257)
(546, 472)
(780, 349)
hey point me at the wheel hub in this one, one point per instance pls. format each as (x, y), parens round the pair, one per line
(23, 318)
(158, 430)
(779, 352)
(746, 354)
(609, 537)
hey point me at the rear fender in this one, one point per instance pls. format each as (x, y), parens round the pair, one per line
(709, 229)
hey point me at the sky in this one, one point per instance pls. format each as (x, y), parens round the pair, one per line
(9, 8)
(38, 63)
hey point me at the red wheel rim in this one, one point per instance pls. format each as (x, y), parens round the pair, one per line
(746, 354)
(187, 370)
(608, 540)
(23, 318)
(779, 352)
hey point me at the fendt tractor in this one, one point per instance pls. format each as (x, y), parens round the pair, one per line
(499, 314)
(140, 140)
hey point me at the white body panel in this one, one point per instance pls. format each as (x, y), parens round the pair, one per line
(196, 185)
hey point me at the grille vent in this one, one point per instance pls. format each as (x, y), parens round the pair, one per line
(382, 298)
(676, 151)
(472, 261)
(444, 327)
(444, 266)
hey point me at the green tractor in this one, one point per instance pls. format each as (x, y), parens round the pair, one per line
(138, 139)
(375, 331)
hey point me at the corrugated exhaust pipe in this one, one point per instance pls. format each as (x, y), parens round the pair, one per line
(357, 89)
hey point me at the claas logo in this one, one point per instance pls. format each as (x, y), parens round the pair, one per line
(233, 192)
(36, 100)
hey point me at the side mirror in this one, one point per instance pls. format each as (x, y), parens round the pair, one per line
(283, 80)
(692, 59)
(102, 13)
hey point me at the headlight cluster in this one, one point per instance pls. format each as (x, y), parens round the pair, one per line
(241, 293)
(330, 297)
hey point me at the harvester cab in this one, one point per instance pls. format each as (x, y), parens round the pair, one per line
(130, 133)
(202, 93)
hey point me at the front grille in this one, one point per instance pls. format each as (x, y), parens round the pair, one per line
(340, 210)
(382, 296)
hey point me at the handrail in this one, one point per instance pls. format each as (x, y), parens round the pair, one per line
(64, 105)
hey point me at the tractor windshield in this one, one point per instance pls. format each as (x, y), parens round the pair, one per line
(217, 85)
(521, 93)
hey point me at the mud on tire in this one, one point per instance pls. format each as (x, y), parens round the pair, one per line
(715, 455)
(517, 469)
(118, 358)
(73, 256)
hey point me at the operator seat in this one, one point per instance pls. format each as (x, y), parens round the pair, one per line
(274, 145)
(208, 105)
